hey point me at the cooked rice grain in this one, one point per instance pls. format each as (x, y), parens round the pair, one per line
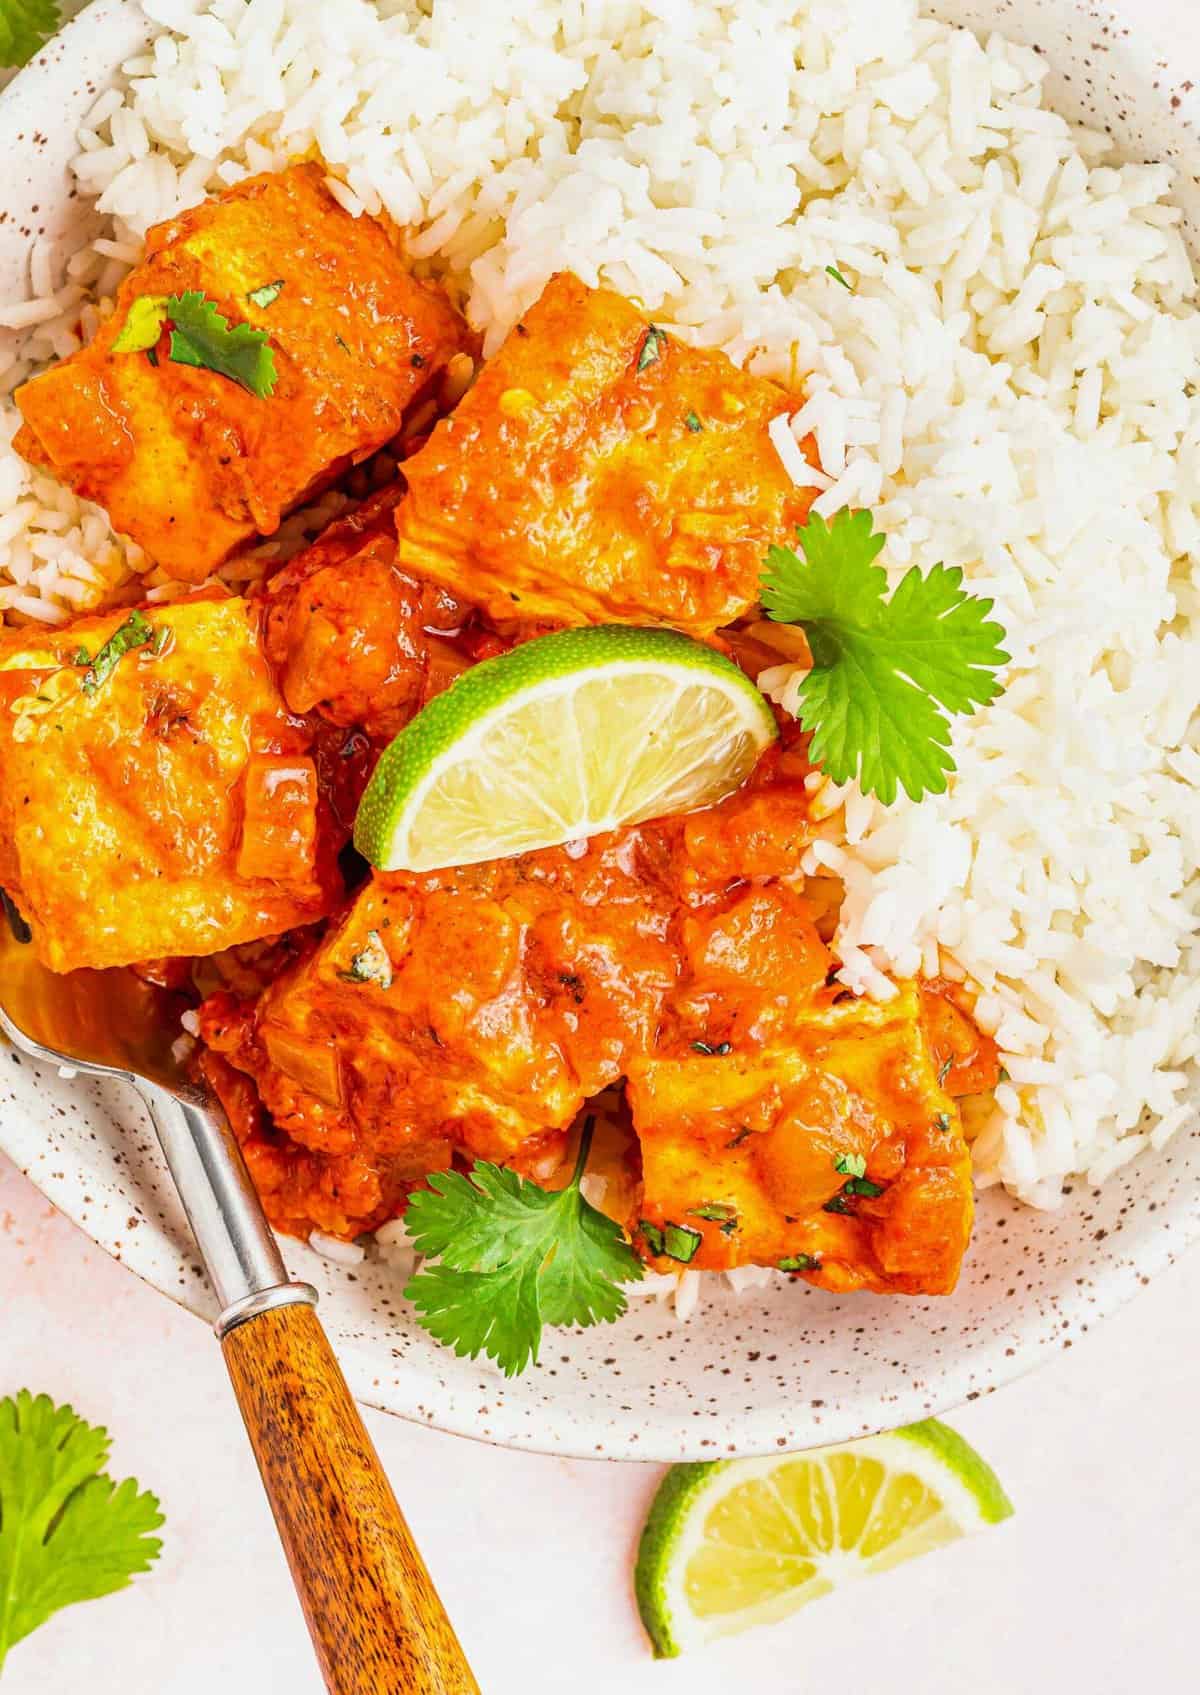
(1009, 382)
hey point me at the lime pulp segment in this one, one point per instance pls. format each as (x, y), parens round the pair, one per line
(734, 1543)
(564, 737)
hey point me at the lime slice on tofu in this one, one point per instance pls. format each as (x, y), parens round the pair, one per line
(565, 736)
(735, 1543)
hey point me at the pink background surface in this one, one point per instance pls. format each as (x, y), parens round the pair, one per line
(1091, 1587)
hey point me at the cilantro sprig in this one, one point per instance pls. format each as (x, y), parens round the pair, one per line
(513, 1257)
(135, 632)
(201, 337)
(886, 671)
(67, 1532)
(25, 27)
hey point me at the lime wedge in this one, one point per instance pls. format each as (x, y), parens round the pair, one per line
(565, 736)
(735, 1543)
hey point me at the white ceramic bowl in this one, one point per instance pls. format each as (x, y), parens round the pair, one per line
(785, 1368)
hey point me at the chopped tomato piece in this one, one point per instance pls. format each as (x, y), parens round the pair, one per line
(279, 827)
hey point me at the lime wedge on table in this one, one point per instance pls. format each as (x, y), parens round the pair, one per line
(734, 1543)
(565, 736)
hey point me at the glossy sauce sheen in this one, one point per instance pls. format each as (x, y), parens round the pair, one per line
(174, 808)
(600, 471)
(473, 1013)
(187, 462)
(188, 812)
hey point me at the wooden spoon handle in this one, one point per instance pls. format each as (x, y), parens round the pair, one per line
(375, 1618)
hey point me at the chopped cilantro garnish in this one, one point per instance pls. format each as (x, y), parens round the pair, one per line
(513, 1257)
(693, 423)
(134, 632)
(680, 1242)
(143, 324)
(68, 1533)
(672, 1241)
(944, 1070)
(267, 295)
(853, 1167)
(799, 1262)
(371, 964)
(716, 1212)
(862, 1186)
(883, 670)
(201, 337)
(652, 1235)
(652, 347)
(832, 271)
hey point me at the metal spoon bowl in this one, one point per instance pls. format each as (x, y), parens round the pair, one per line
(375, 1618)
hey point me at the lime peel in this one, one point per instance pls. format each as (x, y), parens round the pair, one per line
(936, 1485)
(566, 736)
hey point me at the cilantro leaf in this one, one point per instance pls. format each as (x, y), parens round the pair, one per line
(482, 1312)
(267, 295)
(885, 671)
(514, 1257)
(26, 26)
(681, 1242)
(651, 350)
(143, 324)
(134, 632)
(67, 1532)
(200, 336)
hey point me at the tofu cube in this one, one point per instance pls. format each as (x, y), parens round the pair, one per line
(186, 460)
(602, 471)
(155, 796)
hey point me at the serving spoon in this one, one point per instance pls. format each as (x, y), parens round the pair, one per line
(375, 1619)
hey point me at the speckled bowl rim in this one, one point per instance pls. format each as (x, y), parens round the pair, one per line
(813, 1368)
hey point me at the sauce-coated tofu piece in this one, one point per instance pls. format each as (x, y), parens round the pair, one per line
(472, 1013)
(353, 637)
(189, 463)
(833, 1152)
(155, 796)
(601, 471)
(483, 1005)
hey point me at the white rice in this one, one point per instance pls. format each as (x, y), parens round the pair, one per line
(1010, 383)
(395, 1248)
(334, 1249)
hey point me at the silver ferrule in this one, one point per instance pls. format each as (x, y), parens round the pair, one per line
(236, 1243)
(282, 1295)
